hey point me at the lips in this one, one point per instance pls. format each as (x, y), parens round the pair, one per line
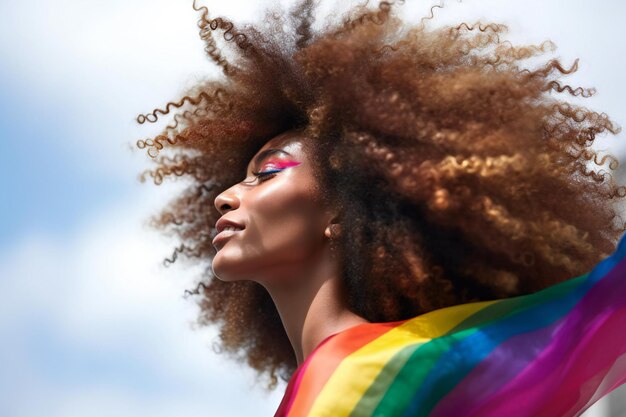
(224, 235)
(226, 228)
(223, 222)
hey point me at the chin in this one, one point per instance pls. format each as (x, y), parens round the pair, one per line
(221, 271)
(226, 268)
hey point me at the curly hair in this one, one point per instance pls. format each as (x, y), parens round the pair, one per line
(462, 175)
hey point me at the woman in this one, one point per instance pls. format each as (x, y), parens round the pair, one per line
(419, 230)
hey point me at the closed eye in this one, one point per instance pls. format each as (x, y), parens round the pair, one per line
(265, 175)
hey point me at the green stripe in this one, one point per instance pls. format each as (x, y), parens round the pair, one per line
(403, 374)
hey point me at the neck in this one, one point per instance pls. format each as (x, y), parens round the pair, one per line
(312, 306)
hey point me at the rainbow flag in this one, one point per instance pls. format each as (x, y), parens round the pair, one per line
(552, 353)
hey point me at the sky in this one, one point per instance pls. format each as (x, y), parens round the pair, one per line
(91, 323)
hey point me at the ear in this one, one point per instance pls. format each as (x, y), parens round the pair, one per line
(331, 218)
(333, 229)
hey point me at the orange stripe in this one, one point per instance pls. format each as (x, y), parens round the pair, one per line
(329, 356)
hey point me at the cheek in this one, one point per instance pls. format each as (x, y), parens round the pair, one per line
(284, 227)
(284, 219)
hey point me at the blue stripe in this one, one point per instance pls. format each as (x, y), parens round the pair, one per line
(454, 364)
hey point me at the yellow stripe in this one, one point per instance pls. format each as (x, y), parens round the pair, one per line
(357, 371)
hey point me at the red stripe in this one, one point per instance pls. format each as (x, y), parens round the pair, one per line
(294, 383)
(325, 361)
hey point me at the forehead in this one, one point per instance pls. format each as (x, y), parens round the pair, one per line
(291, 141)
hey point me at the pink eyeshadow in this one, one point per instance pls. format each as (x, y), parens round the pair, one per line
(280, 163)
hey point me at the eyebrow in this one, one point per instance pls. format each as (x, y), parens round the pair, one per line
(267, 152)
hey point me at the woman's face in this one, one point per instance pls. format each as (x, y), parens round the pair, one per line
(281, 218)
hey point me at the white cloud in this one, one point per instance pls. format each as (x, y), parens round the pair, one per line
(92, 326)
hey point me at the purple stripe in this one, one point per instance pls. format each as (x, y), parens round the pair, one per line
(499, 367)
(544, 396)
(504, 373)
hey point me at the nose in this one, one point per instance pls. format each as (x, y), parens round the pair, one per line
(227, 200)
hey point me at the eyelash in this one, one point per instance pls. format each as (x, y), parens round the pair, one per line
(265, 175)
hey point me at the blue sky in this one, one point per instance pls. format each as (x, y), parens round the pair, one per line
(90, 323)
(48, 185)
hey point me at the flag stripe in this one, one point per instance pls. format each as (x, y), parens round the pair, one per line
(552, 353)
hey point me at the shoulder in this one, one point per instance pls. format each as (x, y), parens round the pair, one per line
(341, 375)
